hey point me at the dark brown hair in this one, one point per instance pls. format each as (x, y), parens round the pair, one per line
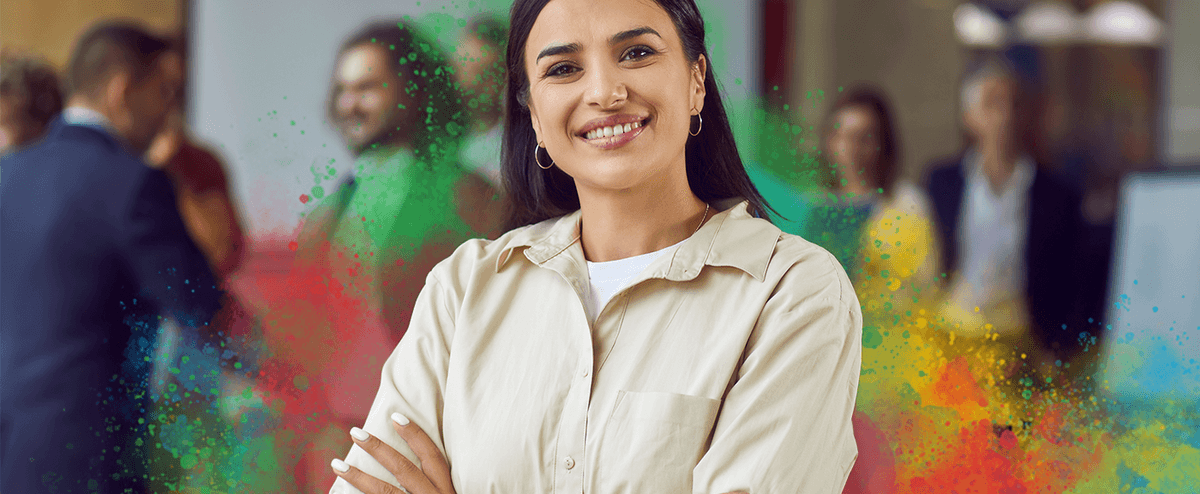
(714, 167)
(113, 46)
(887, 167)
(34, 86)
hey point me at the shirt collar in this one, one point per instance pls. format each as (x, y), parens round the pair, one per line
(731, 238)
(1020, 180)
(382, 154)
(87, 117)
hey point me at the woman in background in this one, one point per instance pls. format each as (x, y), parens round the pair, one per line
(202, 189)
(877, 224)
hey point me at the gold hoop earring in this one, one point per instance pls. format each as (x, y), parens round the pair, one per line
(536, 147)
(699, 128)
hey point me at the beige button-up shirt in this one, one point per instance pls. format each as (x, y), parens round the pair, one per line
(731, 364)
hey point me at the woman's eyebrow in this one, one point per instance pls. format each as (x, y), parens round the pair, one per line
(632, 33)
(569, 48)
(553, 50)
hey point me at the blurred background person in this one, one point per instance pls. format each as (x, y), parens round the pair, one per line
(202, 186)
(30, 98)
(368, 245)
(880, 228)
(203, 200)
(877, 224)
(480, 74)
(409, 201)
(1007, 226)
(94, 251)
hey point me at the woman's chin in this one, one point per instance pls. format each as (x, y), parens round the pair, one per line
(616, 179)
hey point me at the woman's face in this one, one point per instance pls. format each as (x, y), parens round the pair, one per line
(855, 143)
(595, 65)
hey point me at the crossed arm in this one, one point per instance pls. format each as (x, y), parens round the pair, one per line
(784, 426)
(432, 477)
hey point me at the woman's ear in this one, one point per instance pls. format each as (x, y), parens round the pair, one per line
(533, 119)
(699, 70)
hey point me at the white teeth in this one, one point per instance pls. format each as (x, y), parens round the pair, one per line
(615, 130)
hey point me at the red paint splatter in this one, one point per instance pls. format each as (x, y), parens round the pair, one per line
(310, 325)
(1008, 440)
(957, 384)
(875, 470)
(1052, 423)
(975, 465)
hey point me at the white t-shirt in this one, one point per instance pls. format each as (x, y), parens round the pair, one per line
(992, 236)
(607, 278)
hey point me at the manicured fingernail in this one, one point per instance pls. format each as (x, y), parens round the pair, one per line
(399, 419)
(359, 434)
(340, 465)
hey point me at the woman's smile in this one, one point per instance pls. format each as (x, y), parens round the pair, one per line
(613, 132)
(612, 92)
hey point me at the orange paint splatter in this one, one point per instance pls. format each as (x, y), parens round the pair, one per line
(957, 385)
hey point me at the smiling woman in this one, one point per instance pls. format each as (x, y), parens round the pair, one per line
(642, 328)
(666, 68)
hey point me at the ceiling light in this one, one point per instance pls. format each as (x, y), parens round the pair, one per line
(1047, 23)
(1122, 23)
(979, 27)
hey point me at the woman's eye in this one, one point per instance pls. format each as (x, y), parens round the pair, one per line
(560, 70)
(637, 53)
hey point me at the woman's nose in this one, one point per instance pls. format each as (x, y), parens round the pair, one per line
(605, 88)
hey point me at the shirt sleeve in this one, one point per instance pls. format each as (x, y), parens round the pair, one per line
(785, 424)
(412, 383)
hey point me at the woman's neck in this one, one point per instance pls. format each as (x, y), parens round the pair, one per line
(858, 188)
(619, 225)
(858, 180)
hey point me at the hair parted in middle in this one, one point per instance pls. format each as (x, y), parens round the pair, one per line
(714, 167)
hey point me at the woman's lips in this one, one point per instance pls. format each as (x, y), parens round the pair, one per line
(615, 136)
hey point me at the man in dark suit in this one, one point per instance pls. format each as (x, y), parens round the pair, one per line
(94, 250)
(1008, 228)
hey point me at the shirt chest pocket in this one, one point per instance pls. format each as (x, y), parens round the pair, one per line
(653, 441)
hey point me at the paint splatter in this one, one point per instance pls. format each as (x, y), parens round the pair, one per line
(944, 406)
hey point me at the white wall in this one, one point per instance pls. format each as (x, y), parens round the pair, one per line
(1181, 76)
(259, 66)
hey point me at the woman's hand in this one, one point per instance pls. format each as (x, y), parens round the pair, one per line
(433, 477)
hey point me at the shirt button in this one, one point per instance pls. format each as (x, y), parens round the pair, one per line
(587, 373)
(569, 463)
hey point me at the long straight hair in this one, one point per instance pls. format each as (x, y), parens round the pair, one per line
(714, 167)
